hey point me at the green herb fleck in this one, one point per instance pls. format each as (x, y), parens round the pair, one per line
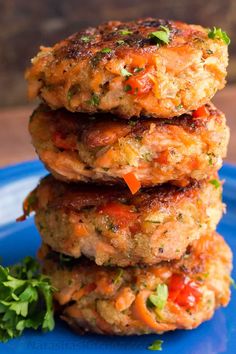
(85, 39)
(137, 70)
(120, 42)
(209, 51)
(147, 156)
(125, 72)
(210, 158)
(156, 345)
(217, 33)
(94, 100)
(160, 297)
(215, 183)
(26, 300)
(118, 276)
(125, 32)
(180, 106)
(72, 91)
(232, 282)
(138, 138)
(106, 50)
(132, 122)
(112, 227)
(162, 36)
(127, 88)
(63, 258)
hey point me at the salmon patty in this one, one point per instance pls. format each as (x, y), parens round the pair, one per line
(178, 294)
(147, 67)
(111, 226)
(106, 149)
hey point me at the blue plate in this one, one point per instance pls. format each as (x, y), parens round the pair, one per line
(20, 239)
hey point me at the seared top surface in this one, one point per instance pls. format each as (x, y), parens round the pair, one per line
(119, 36)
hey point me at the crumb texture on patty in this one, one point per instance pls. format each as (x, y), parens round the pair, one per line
(123, 68)
(109, 300)
(110, 226)
(104, 149)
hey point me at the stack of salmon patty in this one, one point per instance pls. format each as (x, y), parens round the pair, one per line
(133, 144)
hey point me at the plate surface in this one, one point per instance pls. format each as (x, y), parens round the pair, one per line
(20, 239)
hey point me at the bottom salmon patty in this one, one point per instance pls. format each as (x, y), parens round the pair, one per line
(112, 226)
(164, 297)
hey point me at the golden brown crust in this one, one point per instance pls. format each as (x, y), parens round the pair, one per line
(112, 226)
(84, 71)
(105, 300)
(104, 149)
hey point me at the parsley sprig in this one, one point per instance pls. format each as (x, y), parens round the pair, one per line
(162, 36)
(156, 345)
(217, 33)
(160, 297)
(25, 299)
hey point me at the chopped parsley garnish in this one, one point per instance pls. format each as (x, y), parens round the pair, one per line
(106, 50)
(120, 42)
(209, 51)
(25, 301)
(94, 100)
(85, 39)
(138, 138)
(137, 70)
(180, 106)
(132, 122)
(118, 276)
(125, 32)
(64, 259)
(125, 72)
(162, 36)
(159, 299)
(233, 284)
(127, 88)
(217, 33)
(72, 91)
(215, 183)
(156, 345)
(210, 158)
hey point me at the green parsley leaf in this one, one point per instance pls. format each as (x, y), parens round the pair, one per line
(180, 106)
(160, 297)
(63, 258)
(125, 32)
(94, 100)
(127, 88)
(132, 122)
(217, 33)
(120, 42)
(210, 158)
(215, 183)
(25, 299)
(162, 36)
(106, 50)
(125, 72)
(118, 276)
(156, 345)
(73, 90)
(85, 39)
(137, 70)
(232, 282)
